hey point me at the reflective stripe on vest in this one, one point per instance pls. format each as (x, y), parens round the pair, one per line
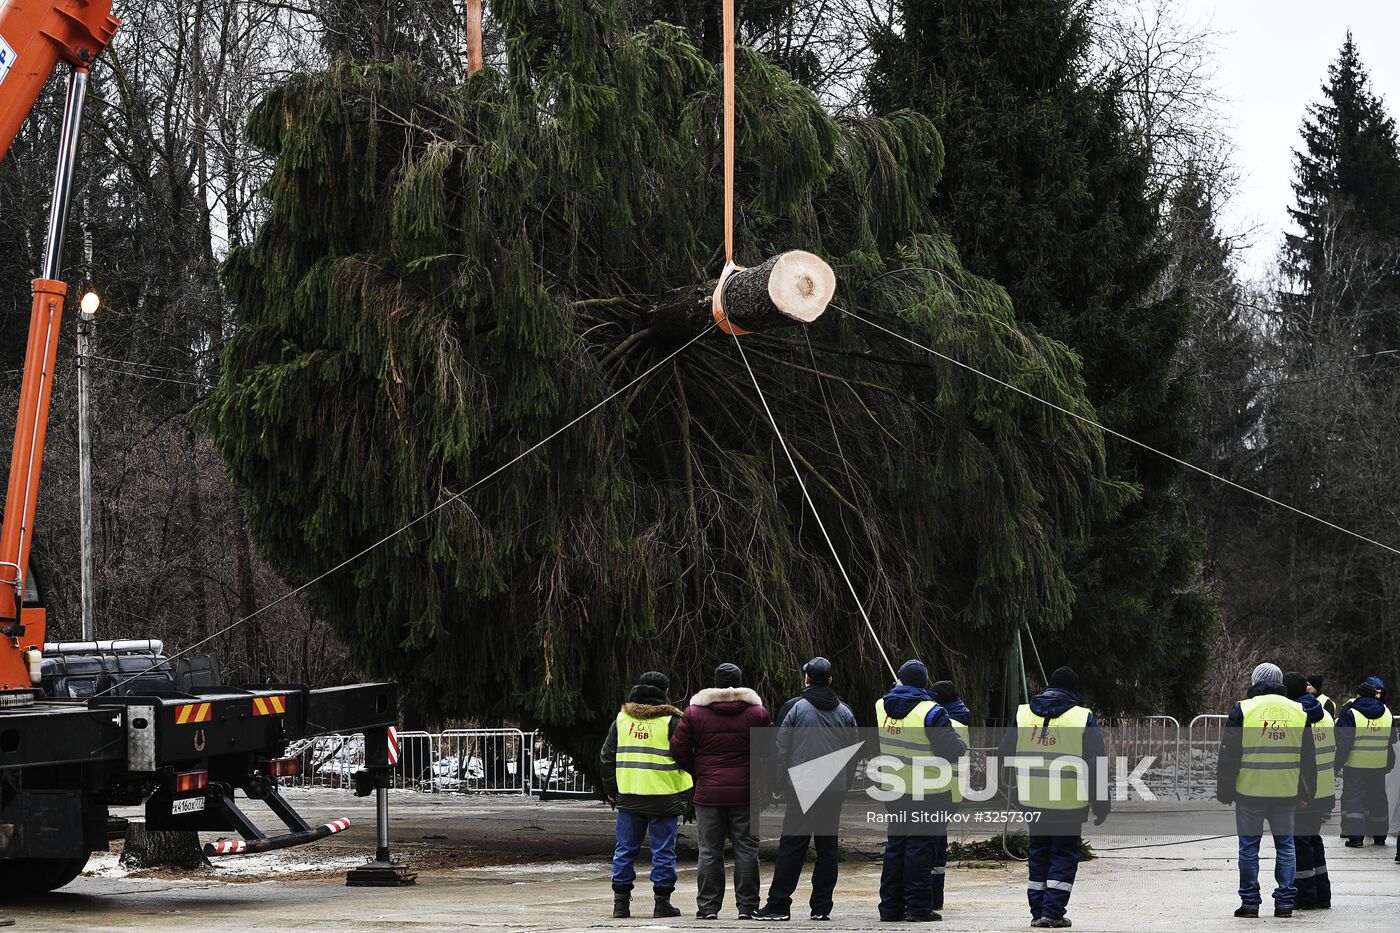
(1271, 743)
(1057, 778)
(644, 762)
(1325, 746)
(1369, 748)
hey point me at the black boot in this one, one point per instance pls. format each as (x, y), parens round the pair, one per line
(622, 903)
(663, 904)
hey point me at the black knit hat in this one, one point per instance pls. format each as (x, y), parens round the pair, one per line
(913, 673)
(651, 689)
(944, 692)
(1294, 684)
(1066, 679)
(1315, 681)
(729, 675)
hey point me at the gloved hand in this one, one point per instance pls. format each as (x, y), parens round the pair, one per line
(690, 811)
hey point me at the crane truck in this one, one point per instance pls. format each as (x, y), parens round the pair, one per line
(90, 727)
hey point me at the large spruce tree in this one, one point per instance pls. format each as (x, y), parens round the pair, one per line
(1331, 409)
(1342, 261)
(450, 273)
(1047, 193)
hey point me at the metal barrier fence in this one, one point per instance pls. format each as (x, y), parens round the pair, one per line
(509, 761)
(459, 761)
(1158, 737)
(1203, 735)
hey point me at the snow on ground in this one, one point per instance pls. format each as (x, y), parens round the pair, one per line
(268, 866)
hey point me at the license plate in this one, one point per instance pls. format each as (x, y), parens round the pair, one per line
(188, 805)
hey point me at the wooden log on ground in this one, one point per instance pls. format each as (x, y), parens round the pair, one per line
(788, 289)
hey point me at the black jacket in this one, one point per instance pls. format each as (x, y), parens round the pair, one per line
(1227, 767)
(814, 723)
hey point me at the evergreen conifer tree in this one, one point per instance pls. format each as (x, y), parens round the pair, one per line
(450, 273)
(1047, 193)
(1344, 260)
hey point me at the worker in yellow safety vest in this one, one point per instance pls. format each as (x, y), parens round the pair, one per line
(1311, 879)
(918, 751)
(1365, 755)
(1267, 768)
(1057, 751)
(650, 791)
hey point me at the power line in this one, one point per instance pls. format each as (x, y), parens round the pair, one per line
(108, 359)
(1294, 382)
(1123, 437)
(812, 505)
(456, 497)
(1333, 359)
(122, 372)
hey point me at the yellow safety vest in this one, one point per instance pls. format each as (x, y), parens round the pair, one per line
(1368, 749)
(1324, 699)
(644, 762)
(1057, 778)
(904, 739)
(1271, 741)
(1325, 745)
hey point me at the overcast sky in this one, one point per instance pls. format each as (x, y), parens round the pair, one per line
(1273, 57)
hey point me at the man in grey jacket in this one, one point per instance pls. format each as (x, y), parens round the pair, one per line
(810, 725)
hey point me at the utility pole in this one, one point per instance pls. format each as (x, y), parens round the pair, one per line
(87, 314)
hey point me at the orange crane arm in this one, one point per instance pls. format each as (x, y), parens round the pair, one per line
(35, 37)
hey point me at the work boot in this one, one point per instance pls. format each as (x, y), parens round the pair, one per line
(1248, 913)
(927, 916)
(1378, 840)
(622, 904)
(1056, 923)
(1283, 911)
(663, 906)
(1355, 842)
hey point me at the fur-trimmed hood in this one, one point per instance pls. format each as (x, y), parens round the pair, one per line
(712, 695)
(649, 710)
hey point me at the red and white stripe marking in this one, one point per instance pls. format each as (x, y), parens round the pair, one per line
(393, 745)
(337, 826)
(229, 846)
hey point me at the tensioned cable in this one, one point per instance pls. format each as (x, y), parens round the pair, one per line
(1121, 436)
(441, 505)
(782, 441)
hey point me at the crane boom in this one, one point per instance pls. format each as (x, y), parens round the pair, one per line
(35, 38)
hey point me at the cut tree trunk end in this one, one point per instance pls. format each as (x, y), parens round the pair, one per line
(174, 849)
(790, 289)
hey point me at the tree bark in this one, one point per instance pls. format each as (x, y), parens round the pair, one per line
(172, 849)
(788, 289)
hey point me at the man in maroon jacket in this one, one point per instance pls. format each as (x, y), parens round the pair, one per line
(712, 743)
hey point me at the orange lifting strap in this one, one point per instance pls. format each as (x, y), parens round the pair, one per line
(729, 267)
